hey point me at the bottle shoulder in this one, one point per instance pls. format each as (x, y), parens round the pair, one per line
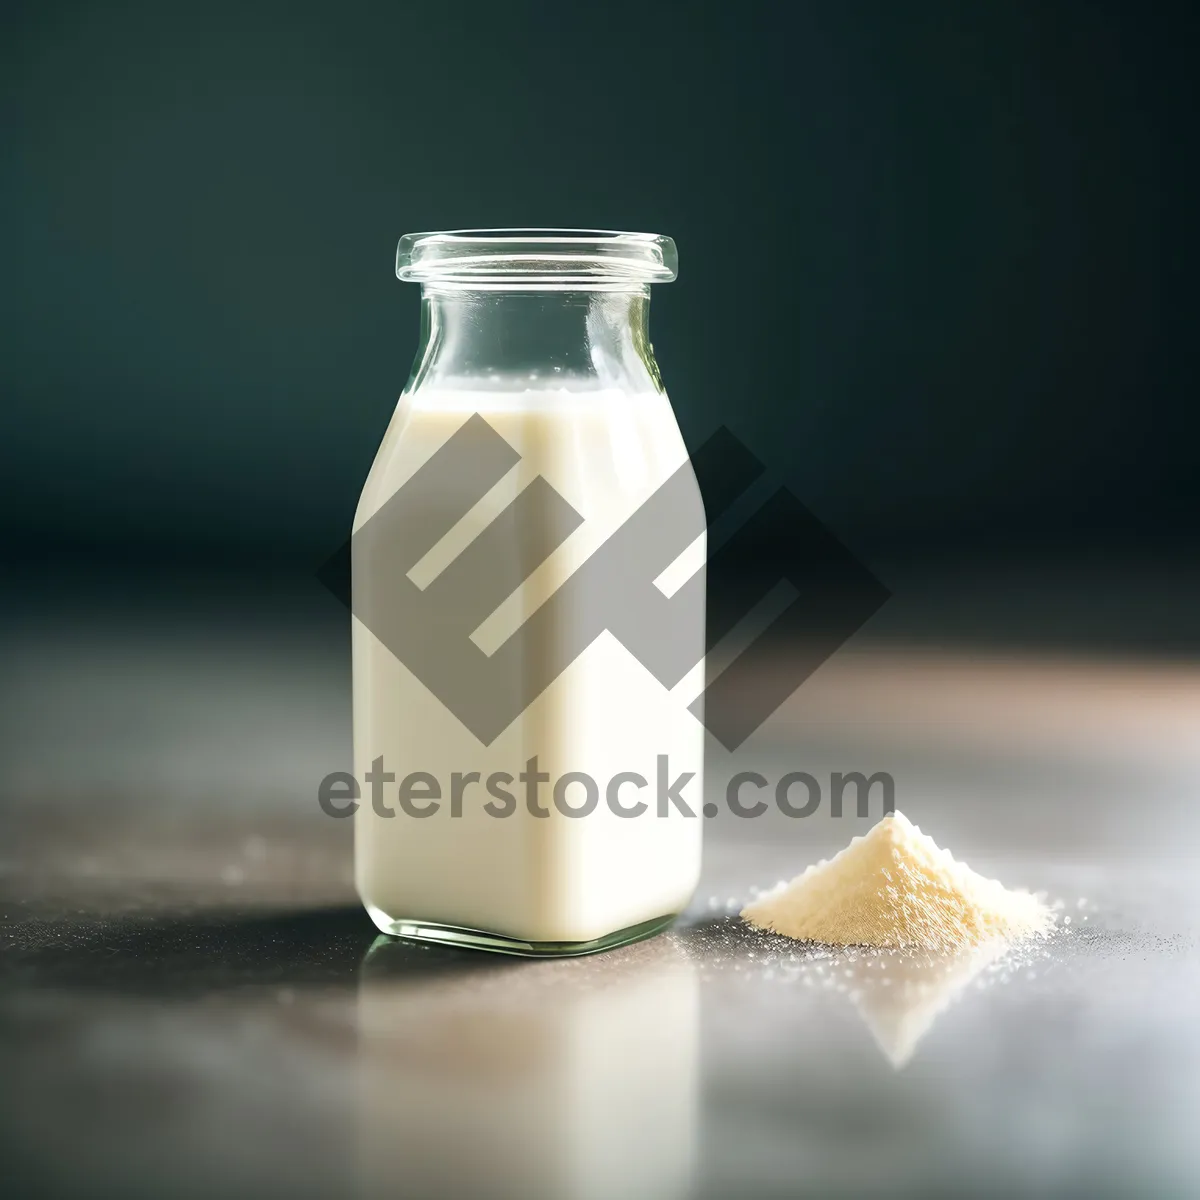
(583, 443)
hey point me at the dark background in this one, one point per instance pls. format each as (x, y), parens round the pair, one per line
(937, 260)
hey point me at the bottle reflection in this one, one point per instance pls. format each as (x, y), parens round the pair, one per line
(568, 1079)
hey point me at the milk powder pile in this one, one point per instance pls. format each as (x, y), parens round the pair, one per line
(895, 887)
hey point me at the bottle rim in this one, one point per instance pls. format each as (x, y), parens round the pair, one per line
(553, 256)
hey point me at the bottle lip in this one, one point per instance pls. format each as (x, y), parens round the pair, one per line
(556, 257)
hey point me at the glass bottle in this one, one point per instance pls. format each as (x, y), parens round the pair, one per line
(530, 773)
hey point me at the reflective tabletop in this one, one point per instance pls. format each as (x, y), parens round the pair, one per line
(192, 1002)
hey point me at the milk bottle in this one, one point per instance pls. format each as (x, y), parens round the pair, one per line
(526, 786)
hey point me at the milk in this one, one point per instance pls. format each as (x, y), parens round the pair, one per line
(524, 878)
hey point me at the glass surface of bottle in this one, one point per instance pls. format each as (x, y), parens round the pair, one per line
(520, 764)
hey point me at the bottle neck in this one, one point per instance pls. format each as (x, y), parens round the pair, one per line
(475, 337)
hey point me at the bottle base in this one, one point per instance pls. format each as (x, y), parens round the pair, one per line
(498, 943)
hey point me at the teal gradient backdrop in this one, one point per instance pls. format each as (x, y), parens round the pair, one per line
(937, 260)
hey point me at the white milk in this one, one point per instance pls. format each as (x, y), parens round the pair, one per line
(525, 877)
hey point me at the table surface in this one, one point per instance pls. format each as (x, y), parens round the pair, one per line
(192, 1002)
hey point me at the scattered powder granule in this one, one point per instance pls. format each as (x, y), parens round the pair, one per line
(894, 887)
